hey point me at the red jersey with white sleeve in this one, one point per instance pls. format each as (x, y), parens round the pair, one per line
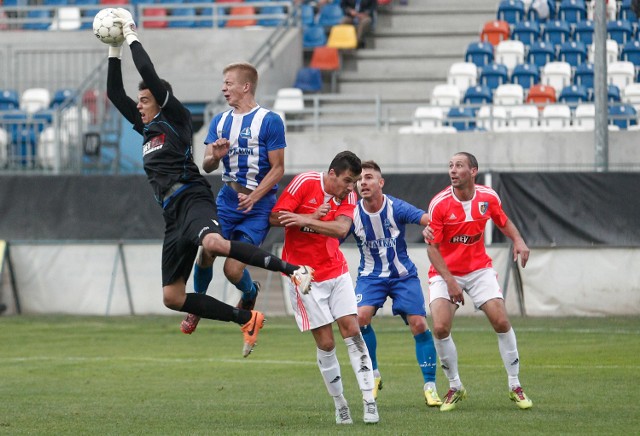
(458, 226)
(303, 246)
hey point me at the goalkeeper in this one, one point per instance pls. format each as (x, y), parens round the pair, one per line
(183, 193)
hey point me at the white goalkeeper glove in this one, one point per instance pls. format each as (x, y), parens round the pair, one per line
(115, 51)
(125, 18)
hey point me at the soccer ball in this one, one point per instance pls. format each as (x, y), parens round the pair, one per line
(105, 29)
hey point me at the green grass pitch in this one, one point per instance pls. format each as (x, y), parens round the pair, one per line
(140, 376)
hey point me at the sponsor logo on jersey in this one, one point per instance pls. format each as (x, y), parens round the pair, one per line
(466, 239)
(381, 243)
(453, 216)
(241, 151)
(307, 230)
(386, 224)
(153, 144)
(245, 133)
(313, 201)
(483, 206)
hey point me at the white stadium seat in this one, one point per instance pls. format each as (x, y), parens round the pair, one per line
(524, 118)
(510, 53)
(556, 75)
(556, 117)
(463, 75)
(621, 74)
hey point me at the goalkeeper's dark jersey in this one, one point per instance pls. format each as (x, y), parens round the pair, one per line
(167, 148)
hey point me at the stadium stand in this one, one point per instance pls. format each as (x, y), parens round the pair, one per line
(612, 51)
(528, 32)
(572, 11)
(508, 94)
(583, 32)
(540, 53)
(242, 16)
(631, 52)
(541, 95)
(621, 73)
(623, 116)
(494, 75)
(573, 95)
(584, 117)
(523, 118)
(510, 53)
(495, 31)
(556, 117)
(492, 118)
(557, 32)
(621, 31)
(35, 99)
(556, 75)
(445, 96)
(573, 52)
(479, 53)
(511, 11)
(478, 95)
(463, 75)
(461, 118)
(308, 80)
(525, 75)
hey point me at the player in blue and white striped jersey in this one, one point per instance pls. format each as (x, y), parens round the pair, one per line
(252, 141)
(387, 271)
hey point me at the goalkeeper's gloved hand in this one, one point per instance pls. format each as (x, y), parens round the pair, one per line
(115, 51)
(125, 18)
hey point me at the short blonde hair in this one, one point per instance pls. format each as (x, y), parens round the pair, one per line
(247, 72)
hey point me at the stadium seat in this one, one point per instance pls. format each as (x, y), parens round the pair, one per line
(307, 15)
(510, 53)
(66, 18)
(327, 59)
(60, 96)
(523, 118)
(556, 75)
(631, 52)
(583, 32)
(491, 118)
(525, 75)
(343, 37)
(9, 99)
(463, 75)
(461, 118)
(622, 115)
(612, 51)
(584, 75)
(541, 53)
(188, 21)
(494, 75)
(573, 52)
(541, 95)
(243, 16)
(572, 11)
(87, 14)
(428, 117)
(626, 13)
(542, 11)
(508, 94)
(495, 31)
(274, 20)
(511, 11)
(330, 15)
(527, 32)
(621, 31)
(480, 53)
(289, 100)
(309, 80)
(557, 32)
(35, 99)
(572, 95)
(158, 14)
(22, 137)
(478, 95)
(38, 19)
(621, 73)
(313, 36)
(556, 117)
(585, 117)
(613, 93)
(631, 95)
(445, 96)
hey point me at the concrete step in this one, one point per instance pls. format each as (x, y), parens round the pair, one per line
(400, 66)
(461, 21)
(407, 90)
(425, 42)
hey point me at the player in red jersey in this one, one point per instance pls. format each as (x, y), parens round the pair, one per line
(459, 262)
(316, 210)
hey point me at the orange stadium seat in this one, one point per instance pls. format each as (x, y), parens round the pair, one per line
(155, 12)
(244, 12)
(326, 59)
(541, 95)
(495, 31)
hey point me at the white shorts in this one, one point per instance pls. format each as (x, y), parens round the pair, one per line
(481, 285)
(325, 302)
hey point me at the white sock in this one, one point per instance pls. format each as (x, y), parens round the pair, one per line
(330, 371)
(448, 355)
(509, 352)
(361, 364)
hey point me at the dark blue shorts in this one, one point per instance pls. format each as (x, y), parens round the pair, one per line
(406, 293)
(236, 225)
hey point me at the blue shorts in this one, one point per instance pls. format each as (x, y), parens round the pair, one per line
(406, 293)
(236, 225)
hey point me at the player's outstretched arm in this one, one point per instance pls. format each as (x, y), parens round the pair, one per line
(520, 248)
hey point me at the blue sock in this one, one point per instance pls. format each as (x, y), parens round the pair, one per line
(201, 278)
(372, 343)
(246, 286)
(426, 355)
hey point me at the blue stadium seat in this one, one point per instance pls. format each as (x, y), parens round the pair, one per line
(309, 80)
(511, 11)
(613, 94)
(584, 75)
(572, 11)
(557, 32)
(307, 15)
(330, 14)
(525, 75)
(188, 13)
(42, 20)
(461, 118)
(583, 32)
(479, 53)
(87, 14)
(626, 13)
(41, 119)
(478, 95)
(621, 31)
(22, 136)
(494, 75)
(60, 96)
(313, 36)
(56, 2)
(574, 95)
(540, 53)
(631, 52)
(573, 52)
(271, 10)
(9, 99)
(527, 31)
(622, 115)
